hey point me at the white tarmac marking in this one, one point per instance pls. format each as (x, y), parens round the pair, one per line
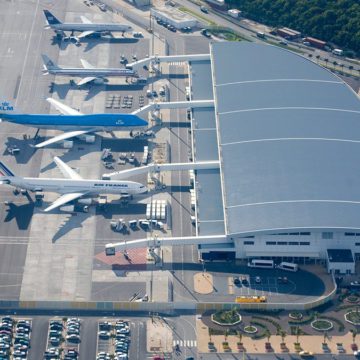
(27, 51)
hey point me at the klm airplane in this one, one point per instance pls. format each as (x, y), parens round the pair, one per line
(73, 122)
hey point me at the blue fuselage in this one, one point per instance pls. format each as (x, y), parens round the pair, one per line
(76, 122)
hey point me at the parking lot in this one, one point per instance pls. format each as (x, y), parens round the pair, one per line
(278, 286)
(261, 286)
(114, 339)
(15, 337)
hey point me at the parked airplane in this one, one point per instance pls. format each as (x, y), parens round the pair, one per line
(88, 72)
(72, 187)
(86, 27)
(73, 121)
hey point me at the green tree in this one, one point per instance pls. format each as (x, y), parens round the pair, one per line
(334, 21)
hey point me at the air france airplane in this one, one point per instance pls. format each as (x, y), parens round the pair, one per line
(72, 187)
(88, 72)
(86, 27)
(73, 122)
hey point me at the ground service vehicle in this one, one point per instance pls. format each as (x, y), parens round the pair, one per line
(338, 52)
(250, 299)
(258, 263)
(288, 266)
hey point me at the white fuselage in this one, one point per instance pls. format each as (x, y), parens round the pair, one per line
(92, 27)
(64, 186)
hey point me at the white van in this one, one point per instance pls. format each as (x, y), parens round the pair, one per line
(288, 266)
(338, 52)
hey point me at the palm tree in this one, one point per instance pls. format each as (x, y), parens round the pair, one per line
(351, 69)
(240, 336)
(226, 334)
(210, 333)
(297, 333)
(268, 335)
(353, 334)
(283, 335)
(342, 67)
(317, 58)
(325, 337)
(326, 61)
(335, 64)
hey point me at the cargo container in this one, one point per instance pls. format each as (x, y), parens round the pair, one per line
(314, 42)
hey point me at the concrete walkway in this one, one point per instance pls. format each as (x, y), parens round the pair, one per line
(159, 336)
(311, 343)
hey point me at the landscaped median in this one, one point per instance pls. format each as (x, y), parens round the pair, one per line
(230, 343)
(197, 15)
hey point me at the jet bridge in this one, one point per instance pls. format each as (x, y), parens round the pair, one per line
(155, 106)
(124, 174)
(166, 59)
(112, 248)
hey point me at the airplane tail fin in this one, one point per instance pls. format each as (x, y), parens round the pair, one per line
(48, 63)
(5, 171)
(51, 19)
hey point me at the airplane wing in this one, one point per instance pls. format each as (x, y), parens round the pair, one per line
(64, 109)
(86, 64)
(85, 20)
(64, 136)
(86, 80)
(66, 170)
(64, 199)
(85, 34)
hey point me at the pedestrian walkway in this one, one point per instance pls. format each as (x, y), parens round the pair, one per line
(176, 63)
(185, 343)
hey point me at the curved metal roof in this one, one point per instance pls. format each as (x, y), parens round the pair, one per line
(289, 141)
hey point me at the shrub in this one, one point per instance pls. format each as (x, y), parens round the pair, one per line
(322, 325)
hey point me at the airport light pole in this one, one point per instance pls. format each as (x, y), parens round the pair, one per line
(203, 265)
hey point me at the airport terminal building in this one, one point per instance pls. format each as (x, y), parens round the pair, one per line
(286, 133)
